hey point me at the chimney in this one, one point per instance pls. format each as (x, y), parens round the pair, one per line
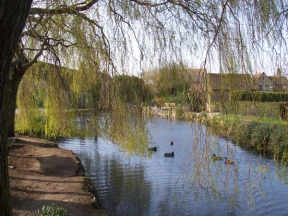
(278, 72)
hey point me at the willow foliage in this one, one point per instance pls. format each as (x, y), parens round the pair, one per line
(44, 106)
(90, 42)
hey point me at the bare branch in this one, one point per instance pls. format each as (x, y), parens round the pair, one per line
(64, 9)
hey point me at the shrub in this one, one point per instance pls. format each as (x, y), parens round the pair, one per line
(245, 129)
(260, 137)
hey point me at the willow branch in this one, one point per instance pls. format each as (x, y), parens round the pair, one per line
(63, 9)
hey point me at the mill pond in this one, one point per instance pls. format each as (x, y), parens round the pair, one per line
(190, 183)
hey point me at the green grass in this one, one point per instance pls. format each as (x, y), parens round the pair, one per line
(233, 117)
(266, 136)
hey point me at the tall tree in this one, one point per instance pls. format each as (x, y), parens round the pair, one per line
(13, 15)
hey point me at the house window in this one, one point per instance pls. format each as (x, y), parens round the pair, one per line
(260, 87)
(267, 87)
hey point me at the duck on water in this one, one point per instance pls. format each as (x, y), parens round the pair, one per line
(228, 161)
(169, 154)
(152, 148)
(216, 157)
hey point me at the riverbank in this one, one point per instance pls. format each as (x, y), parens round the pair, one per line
(266, 137)
(43, 174)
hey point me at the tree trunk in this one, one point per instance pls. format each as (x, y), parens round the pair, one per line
(13, 14)
(12, 89)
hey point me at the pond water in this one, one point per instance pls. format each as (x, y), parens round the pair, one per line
(190, 183)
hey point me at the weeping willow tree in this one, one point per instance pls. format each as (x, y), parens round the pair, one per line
(92, 38)
(112, 37)
(171, 79)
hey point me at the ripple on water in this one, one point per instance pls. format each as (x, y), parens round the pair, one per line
(167, 186)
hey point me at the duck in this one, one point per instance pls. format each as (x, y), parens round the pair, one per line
(228, 161)
(169, 154)
(152, 148)
(216, 157)
(171, 143)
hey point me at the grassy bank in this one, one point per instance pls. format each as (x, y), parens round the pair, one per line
(266, 137)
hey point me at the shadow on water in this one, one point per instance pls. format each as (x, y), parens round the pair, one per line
(190, 183)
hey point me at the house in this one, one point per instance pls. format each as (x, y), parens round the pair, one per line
(263, 82)
(280, 83)
(219, 86)
(275, 83)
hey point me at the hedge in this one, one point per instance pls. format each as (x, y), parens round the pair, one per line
(260, 96)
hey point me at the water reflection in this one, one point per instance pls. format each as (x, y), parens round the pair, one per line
(191, 183)
(127, 184)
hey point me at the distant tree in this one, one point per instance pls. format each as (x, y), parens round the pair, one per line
(132, 89)
(170, 80)
(175, 75)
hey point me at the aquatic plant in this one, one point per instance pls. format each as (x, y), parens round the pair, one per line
(51, 210)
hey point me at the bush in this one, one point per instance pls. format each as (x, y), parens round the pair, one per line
(245, 130)
(51, 211)
(260, 137)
